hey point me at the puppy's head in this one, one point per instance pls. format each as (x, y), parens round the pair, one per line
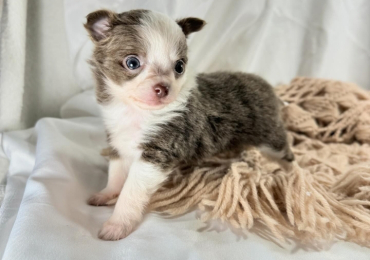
(140, 56)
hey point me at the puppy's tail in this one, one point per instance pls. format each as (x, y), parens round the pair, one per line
(112, 201)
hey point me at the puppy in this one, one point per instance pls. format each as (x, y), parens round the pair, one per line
(158, 114)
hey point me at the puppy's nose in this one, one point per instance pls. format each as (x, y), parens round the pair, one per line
(161, 90)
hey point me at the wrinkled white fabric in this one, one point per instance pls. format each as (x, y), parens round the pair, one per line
(56, 166)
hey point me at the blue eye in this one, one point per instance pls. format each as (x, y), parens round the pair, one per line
(132, 63)
(180, 67)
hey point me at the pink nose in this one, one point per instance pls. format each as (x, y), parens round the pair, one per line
(161, 90)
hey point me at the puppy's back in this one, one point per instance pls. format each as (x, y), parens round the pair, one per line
(227, 111)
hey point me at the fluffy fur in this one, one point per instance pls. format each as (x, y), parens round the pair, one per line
(197, 117)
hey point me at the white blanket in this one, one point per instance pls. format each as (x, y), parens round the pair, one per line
(56, 166)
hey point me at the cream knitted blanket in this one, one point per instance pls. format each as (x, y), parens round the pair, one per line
(325, 196)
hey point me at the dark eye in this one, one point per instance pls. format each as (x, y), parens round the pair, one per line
(180, 67)
(132, 63)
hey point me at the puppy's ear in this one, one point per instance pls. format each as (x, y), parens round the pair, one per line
(99, 24)
(190, 25)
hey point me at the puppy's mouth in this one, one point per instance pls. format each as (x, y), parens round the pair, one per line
(149, 104)
(154, 99)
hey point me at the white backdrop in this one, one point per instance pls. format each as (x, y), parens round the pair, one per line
(12, 61)
(278, 39)
(36, 78)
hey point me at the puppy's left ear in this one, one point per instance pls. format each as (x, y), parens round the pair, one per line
(190, 25)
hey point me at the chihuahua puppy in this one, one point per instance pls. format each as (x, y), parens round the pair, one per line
(158, 114)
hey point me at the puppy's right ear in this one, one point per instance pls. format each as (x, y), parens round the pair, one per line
(190, 25)
(99, 23)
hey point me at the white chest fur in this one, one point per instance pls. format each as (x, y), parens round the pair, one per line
(125, 126)
(129, 126)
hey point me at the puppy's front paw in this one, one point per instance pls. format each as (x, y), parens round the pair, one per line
(114, 231)
(100, 199)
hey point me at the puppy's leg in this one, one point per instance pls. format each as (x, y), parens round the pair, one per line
(276, 147)
(143, 180)
(116, 177)
(284, 157)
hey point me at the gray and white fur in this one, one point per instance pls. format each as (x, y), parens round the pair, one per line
(158, 114)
